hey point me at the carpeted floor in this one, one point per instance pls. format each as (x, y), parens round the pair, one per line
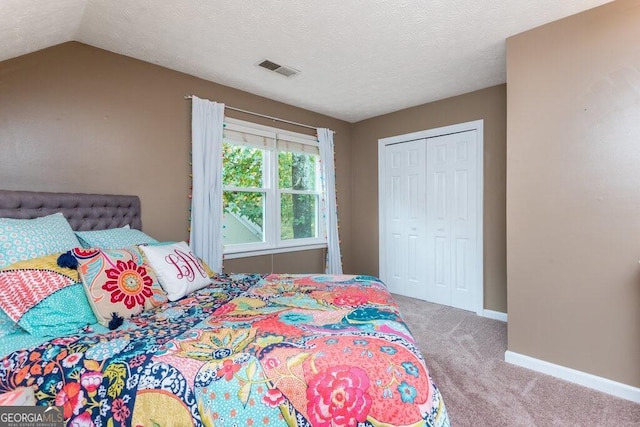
(465, 355)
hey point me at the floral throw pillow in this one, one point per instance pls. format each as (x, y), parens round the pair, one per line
(179, 270)
(118, 281)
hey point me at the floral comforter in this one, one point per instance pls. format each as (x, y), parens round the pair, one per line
(254, 350)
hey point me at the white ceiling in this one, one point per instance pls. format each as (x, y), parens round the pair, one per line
(359, 58)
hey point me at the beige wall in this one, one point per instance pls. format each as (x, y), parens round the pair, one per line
(488, 104)
(80, 119)
(573, 193)
(77, 118)
(309, 261)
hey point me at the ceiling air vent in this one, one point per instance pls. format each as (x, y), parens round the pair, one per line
(277, 68)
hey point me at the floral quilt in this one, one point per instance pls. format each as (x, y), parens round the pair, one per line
(248, 350)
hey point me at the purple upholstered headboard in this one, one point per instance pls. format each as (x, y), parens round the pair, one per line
(83, 211)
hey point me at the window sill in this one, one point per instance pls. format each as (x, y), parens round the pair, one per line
(247, 254)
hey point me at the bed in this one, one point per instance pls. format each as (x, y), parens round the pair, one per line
(246, 349)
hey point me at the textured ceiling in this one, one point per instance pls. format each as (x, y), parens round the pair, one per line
(359, 58)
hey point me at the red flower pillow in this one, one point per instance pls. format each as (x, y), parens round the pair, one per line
(118, 281)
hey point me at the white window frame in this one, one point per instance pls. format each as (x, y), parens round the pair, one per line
(272, 225)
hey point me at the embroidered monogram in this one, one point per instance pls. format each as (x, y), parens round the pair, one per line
(186, 264)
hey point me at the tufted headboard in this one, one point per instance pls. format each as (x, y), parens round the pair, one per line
(83, 211)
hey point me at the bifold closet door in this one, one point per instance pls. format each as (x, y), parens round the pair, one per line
(451, 219)
(405, 218)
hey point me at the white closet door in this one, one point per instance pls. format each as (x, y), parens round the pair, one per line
(451, 219)
(405, 218)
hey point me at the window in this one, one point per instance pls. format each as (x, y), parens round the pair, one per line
(271, 189)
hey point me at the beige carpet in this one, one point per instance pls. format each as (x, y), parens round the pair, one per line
(465, 355)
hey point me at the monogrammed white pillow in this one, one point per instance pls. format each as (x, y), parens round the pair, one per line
(179, 271)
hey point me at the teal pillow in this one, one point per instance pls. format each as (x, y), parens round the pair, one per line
(113, 238)
(23, 239)
(61, 313)
(43, 298)
(7, 326)
(19, 341)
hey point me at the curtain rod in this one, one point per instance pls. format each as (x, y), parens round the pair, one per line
(265, 116)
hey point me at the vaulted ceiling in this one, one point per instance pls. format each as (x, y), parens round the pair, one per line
(358, 58)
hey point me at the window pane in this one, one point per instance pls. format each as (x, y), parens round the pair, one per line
(297, 171)
(243, 217)
(298, 213)
(242, 166)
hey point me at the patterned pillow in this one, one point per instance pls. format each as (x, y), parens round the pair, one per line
(44, 299)
(179, 271)
(118, 281)
(23, 239)
(114, 238)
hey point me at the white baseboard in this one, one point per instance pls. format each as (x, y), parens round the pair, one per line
(496, 315)
(601, 384)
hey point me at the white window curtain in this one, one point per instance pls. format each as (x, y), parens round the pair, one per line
(330, 205)
(205, 237)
